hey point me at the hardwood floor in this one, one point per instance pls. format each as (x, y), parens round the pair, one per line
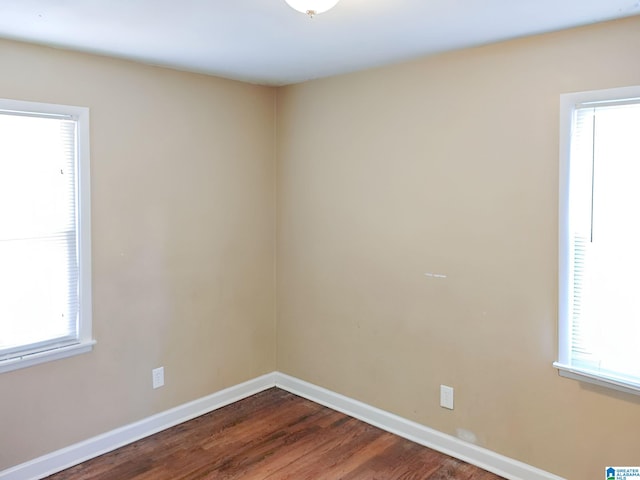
(274, 435)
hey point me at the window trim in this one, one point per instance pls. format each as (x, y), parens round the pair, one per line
(85, 340)
(568, 104)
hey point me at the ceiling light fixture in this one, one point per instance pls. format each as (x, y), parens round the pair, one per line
(312, 7)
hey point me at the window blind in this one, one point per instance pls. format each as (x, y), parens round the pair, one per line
(38, 238)
(603, 308)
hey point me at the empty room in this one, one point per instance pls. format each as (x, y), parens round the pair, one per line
(413, 218)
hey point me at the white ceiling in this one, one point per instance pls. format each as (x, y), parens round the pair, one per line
(266, 42)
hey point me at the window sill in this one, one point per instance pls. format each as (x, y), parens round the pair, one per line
(46, 356)
(596, 378)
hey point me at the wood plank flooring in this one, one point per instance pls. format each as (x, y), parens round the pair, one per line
(274, 435)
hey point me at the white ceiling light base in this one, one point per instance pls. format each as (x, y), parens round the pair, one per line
(312, 7)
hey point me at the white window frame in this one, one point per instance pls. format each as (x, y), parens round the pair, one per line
(85, 341)
(568, 103)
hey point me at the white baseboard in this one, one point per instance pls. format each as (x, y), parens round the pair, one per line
(67, 457)
(481, 457)
(109, 441)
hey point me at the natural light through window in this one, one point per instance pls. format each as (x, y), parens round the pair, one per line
(45, 305)
(599, 254)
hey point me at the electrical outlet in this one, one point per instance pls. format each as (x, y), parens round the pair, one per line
(157, 375)
(446, 397)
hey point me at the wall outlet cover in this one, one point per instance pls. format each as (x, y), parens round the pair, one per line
(446, 397)
(157, 375)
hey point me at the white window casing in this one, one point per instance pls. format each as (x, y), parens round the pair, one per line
(599, 290)
(45, 233)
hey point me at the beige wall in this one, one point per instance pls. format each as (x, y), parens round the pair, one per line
(183, 243)
(446, 165)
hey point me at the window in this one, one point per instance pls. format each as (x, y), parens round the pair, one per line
(45, 251)
(599, 290)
